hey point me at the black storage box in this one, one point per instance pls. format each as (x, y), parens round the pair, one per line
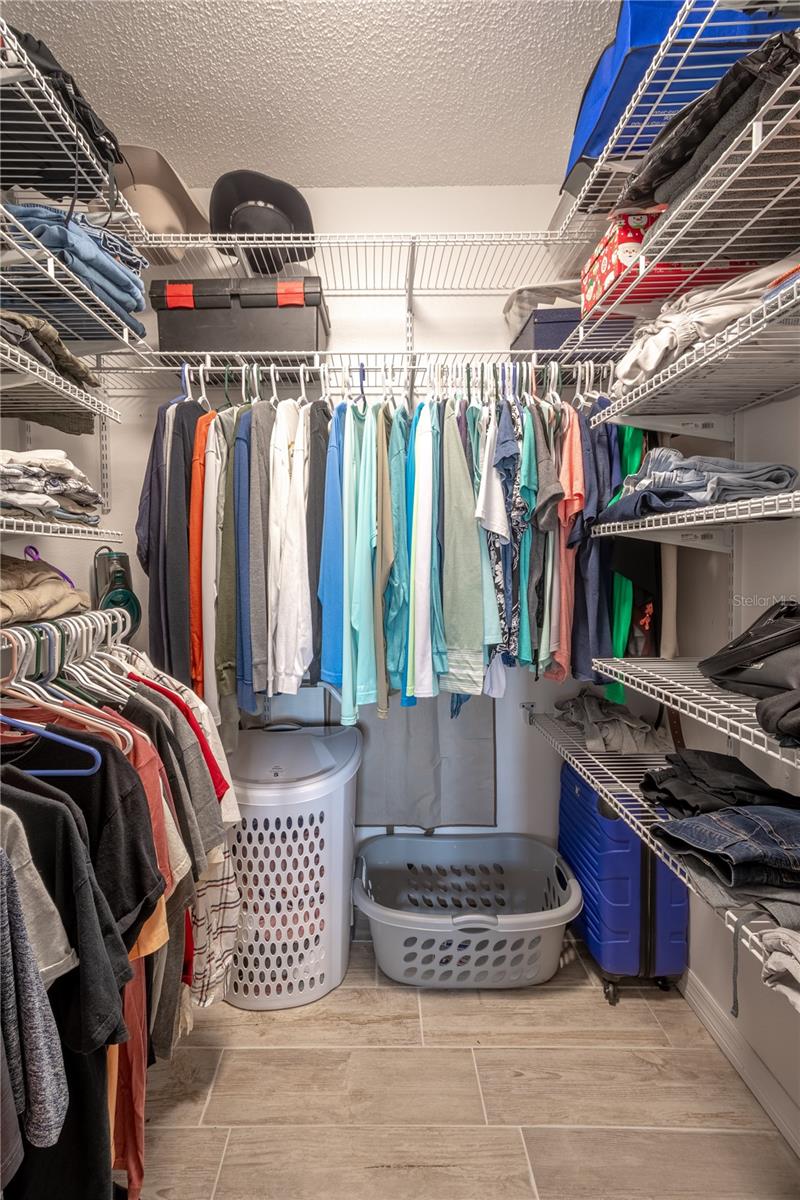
(241, 314)
(547, 329)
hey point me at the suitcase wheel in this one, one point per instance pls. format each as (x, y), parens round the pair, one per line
(611, 991)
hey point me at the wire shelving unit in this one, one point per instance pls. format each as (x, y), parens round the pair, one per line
(753, 361)
(42, 140)
(31, 525)
(34, 281)
(26, 385)
(701, 45)
(616, 777)
(678, 684)
(737, 512)
(743, 212)
(381, 264)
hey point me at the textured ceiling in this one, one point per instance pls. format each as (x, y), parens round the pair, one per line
(335, 93)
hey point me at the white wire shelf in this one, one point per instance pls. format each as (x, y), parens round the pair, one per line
(678, 684)
(43, 144)
(381, 264)
(700, 47)
(34, 281)
(737, 512)
(616, 778)
(27, 386)
(743, 212)
(26, 525)
(753, 361)
(155, 370)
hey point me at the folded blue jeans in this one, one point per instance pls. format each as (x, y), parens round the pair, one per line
(742, 846)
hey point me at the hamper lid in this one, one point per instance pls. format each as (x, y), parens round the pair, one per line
(293, 758)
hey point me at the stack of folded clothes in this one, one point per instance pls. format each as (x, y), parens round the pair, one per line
(782, 963)
(667, 482)
(40, 341)
(36, 591)
(105, 262)
(700, 133)
(779, 716)
(695, 317)
(698, 781)
(44, 484)
(610, 728)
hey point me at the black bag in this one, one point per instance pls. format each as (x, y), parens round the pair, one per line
(765, 659)
(57, 178)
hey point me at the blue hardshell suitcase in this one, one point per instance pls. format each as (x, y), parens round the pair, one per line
(635, 913)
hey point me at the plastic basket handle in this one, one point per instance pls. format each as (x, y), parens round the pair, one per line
(478, 921)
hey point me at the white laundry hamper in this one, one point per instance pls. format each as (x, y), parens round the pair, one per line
(465, 910)
(293, 855)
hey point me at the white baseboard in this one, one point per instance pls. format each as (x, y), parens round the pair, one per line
(762, 1083)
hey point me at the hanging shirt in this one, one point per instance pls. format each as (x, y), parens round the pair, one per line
(425, 681)
(187, 415)
(549, 492)
(571, 478)
(407, 697)
(332, 554)
(491, 512)
(506, 457)
(397, 588)
(318, 420)
(463, 610)
(528, 483)
(353, 440)
(263, 422)
(225, 651)
(241, 515)
(361, 600)
(384, 549)
(196, 494)
(216, 449)
(290, 601)
(150, 535)
(438, 639)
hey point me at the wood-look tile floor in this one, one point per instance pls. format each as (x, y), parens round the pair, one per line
(383, 1092)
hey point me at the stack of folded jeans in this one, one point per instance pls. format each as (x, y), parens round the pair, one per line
(667, 482)
(85, 251)
(36, 591)
(698, 781)
(744, 847)
(44, 484)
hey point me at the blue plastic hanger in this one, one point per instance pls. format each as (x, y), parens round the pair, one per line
(64, 741)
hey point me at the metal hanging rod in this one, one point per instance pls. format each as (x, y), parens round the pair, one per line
(158, 370)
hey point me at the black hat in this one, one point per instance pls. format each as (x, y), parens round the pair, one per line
(249, 202)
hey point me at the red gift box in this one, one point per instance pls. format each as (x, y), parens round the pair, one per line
(606, 275)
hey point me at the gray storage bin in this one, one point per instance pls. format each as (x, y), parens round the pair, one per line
(467, 910)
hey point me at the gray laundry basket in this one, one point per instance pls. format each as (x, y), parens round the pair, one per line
(465, 911)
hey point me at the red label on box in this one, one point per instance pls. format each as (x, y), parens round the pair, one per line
(290, 291)
(179, 295)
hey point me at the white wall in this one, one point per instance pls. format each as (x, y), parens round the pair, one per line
(765, 1038)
